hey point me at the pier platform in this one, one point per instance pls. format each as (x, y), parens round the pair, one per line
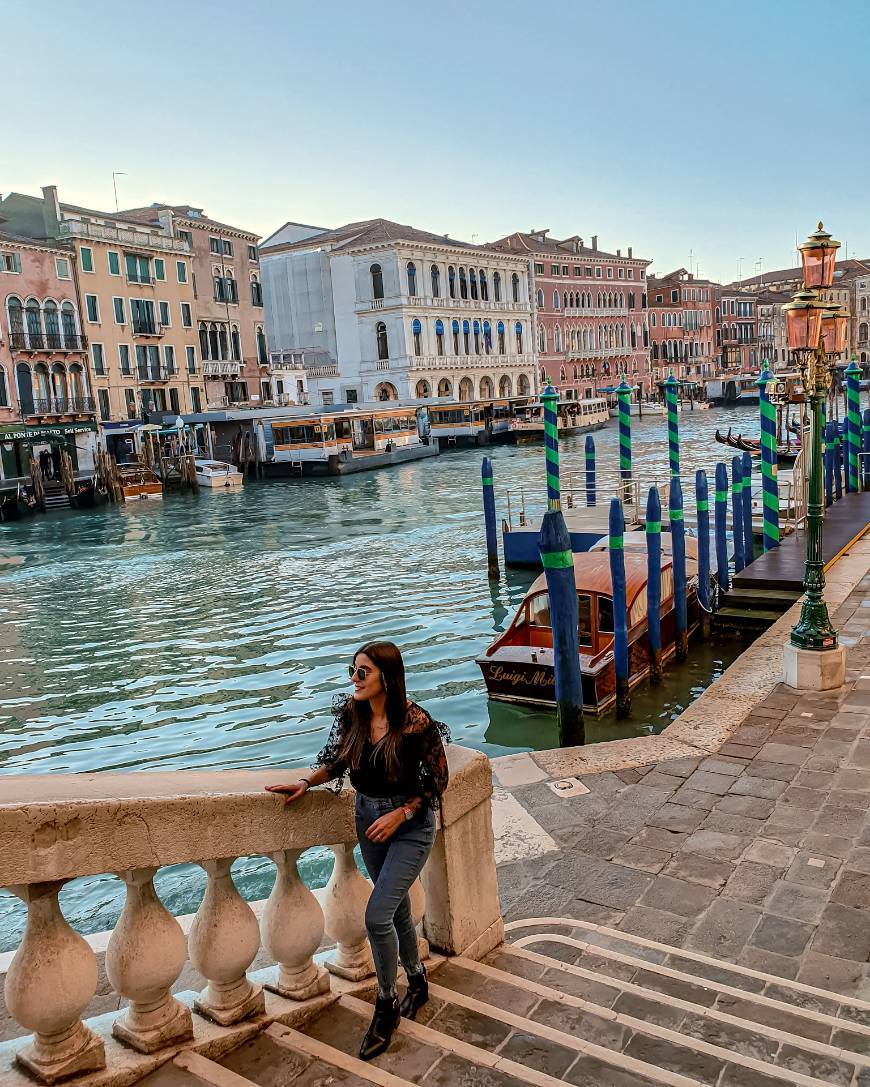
(586, 525)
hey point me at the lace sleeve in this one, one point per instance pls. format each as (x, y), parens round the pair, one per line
(328, 757)
(433, 760)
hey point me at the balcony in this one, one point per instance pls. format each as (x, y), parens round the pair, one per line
(428, 301)
(124, 236)
(77, 405)
(147, 328)
(139, 281)
(447, 362)
(153, 374)
(46, 341)
(586, 311)
(225, 368)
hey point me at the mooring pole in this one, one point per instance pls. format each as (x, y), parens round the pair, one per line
(673, 425)
(550, 400)
(616, 524)
(748, 534)
(654, 583)
(623, 400)
(853, 426)
(489, 518)
(702, 505)
(838, 463)
(721, 527)
(865, 447)
(554, 543)
(590, 470)
(737, 513)
(678, 549)
(769, 488)
(829, 440)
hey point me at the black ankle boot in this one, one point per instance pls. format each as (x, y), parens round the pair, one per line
(416, 996)
(384, 1022)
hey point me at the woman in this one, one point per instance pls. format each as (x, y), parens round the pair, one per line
(395, 754)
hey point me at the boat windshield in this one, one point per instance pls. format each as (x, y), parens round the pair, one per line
(584, 619)
(538, 615)
(605, 615)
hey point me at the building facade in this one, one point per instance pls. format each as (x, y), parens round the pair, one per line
(228, 294)
(682, 326)
(589, 312)
(381, 311)
(135, 294)
(737, 331)
(45, 387)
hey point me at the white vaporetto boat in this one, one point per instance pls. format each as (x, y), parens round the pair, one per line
(218, 475)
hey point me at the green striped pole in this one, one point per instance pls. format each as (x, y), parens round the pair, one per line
(623, 399)
(853, 426)
(550, 400)
(769, 486)
(554, 544)
(673, 425)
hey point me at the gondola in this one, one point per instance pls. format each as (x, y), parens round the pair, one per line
(785, 454)
(18, 504)
(89, 493)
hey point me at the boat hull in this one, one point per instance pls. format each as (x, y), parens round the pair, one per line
(145, 491)
(231, 482)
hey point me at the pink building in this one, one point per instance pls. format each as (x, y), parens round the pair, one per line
(589, 312)
(682, 326)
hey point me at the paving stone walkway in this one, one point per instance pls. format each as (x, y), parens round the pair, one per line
(758, 855)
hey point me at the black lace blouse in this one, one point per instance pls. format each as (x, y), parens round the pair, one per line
(422, 758)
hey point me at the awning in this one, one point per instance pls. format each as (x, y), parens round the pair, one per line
(16, 432)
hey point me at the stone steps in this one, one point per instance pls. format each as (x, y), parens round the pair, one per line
(570, 1002)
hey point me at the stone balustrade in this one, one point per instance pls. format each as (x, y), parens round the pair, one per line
(54, 828)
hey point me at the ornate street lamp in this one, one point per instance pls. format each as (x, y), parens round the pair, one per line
(817, 332)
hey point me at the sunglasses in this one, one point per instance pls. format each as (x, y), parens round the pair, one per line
(363, 672)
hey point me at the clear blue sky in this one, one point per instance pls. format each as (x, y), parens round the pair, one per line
(669, 127)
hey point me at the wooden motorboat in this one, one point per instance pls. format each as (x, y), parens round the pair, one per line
(138, 482)
(518, 665)
(635, 542)
(217, 475)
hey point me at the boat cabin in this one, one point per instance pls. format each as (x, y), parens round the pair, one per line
(321, 435)
(464, 422)
(575, 416)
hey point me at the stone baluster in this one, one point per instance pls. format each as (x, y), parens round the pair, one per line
(344, 908)
(224, 940)
(146, 953)
(48, 985)
(292, 929)
(418, 909)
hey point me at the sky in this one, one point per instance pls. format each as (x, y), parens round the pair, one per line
(710, 132)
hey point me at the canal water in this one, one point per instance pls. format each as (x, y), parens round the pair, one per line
(212, 631)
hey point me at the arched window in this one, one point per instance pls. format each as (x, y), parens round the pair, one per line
(499, 328)
(563, 377)
(487, 390)
(256, 291)
(34, 322)
(423, 390)
(68, 324)
(555, 299)
(557, 338)
(223, 342)
(496, 286)
(472, 280)
(4, 389)
(863, 310)
(417, 332)
(484, 289)
(381, 336)
(377, 281)
(524, 386)
(542, 339)
(59, 387)
(412, 279)
(203, 341)
(476, 329)
(451, 281)
(466, 389)
(439, 337)
(652, 321)
(487, 337)
(862, 333)
(540, 298)
(564, 299)
(463, 284)
(78, 389)
(43, 383)
(505, 386)
(518, 332)
(515, 287)
(575, 375)
(24, 380)
(455, 330)
(436, 281)
(445, 388)
(631, 306)
(52, 326)
(236, 344)
(466, 332)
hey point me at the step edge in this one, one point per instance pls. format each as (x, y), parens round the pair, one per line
(560, 1037)
(209, 1071)
(322, 1051)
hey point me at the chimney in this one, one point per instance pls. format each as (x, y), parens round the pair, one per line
(165, 218)
(577, 244)
(595, 242)
(50, 211)
(629, 257)
(619, 254)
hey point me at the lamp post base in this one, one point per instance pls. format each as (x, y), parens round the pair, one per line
(814, 669)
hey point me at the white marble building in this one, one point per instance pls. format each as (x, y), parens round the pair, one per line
(392, 312)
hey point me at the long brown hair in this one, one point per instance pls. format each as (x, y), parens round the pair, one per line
(386, 657)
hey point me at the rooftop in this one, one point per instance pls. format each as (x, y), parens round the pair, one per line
(539, 241)
(150, 215)
(371, 232)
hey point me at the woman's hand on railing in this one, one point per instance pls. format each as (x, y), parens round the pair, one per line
(290, 792)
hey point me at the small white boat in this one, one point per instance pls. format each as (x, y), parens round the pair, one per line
(218, 475)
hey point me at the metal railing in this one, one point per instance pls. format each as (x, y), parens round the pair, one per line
(46, 341)
(147, 328)
(152, 373)
(56, 405)
(128, 235)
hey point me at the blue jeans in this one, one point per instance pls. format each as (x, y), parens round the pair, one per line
(393, 866)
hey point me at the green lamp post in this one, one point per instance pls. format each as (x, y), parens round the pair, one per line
(817, 333)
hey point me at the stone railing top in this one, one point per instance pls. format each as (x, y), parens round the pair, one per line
(58, 826)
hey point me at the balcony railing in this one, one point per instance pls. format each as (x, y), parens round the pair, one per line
(125, 236)
(221, 369)
(447, 362)
(46, 341)
(131, 826)
(140, 279)
(153, 373)
(76, 405)
(147, 328)
(431, 302)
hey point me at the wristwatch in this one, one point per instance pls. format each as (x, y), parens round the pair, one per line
(409, 812)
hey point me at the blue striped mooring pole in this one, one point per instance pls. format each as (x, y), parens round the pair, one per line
(828, 460)
(865, 448)
(623, 399)
(770, 489)
(737, 513)
(853, 426)
(489, 517)
(554, 544)
(550, 400)
(616, 523)
(721, 527)
(678, 551)
(654, 583)
(702, 505)
(838, 463)
(748, 535)
(590, 470)
(673, 425)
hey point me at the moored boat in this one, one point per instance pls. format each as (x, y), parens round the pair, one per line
(518, 665)
(574, 417)
(138, 482)
(14, 505)
(89, 493)
(217, 475)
